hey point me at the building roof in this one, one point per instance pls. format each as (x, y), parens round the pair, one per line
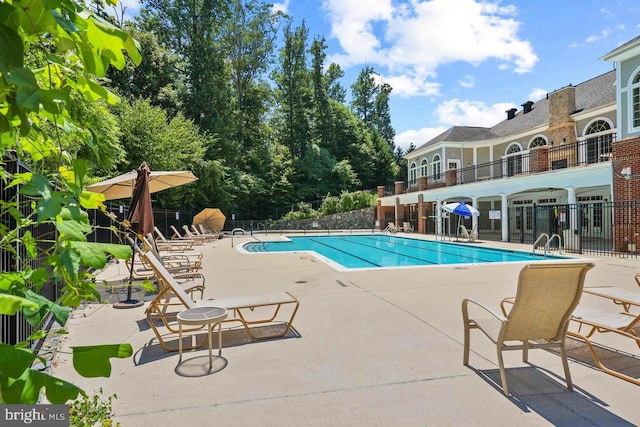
(625, 51)
(593, 93)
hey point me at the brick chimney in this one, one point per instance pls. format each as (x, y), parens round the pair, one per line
(562, 103)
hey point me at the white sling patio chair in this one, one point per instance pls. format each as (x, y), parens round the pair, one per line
(250, 311)
(546, 296)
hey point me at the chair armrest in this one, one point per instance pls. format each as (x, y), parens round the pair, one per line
(465, 309)
(483, 318)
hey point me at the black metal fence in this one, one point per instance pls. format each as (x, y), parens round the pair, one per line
(599, 228)
(14, 329)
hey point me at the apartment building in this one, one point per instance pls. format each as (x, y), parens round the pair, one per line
(554, 165)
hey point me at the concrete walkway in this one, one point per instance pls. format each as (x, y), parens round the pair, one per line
(370, 348)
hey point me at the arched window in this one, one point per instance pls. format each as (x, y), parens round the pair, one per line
(598, 146)
(423, 167)
(514, 160)
(413, 170)
(538, 141)
(436, 167)
(635, 101)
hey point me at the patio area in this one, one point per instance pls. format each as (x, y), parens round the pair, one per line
(368, 348)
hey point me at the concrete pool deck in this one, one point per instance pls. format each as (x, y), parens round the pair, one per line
(371, 348)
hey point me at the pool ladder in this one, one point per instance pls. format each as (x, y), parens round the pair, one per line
(547, 243)
(244, 233)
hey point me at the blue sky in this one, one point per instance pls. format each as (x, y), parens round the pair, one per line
(465, 62)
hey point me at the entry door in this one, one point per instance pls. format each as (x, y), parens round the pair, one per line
(455, 164)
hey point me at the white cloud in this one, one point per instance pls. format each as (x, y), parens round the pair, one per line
(280, 7)
(603, 34)
(467, 81)
(455, 112)
(411, 84)
(412, 39)
(537, 94)
(417, 137)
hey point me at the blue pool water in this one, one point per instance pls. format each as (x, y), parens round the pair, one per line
(372, 251)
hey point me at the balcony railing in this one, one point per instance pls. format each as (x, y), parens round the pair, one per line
(581, 153)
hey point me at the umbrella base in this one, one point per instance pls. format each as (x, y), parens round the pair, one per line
(129, 303)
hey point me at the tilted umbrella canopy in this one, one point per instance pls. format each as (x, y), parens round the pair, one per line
(121, 187)
(212, 218)
(461, 208)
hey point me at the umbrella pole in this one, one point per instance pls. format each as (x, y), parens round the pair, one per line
(133, 260)
(130, 303)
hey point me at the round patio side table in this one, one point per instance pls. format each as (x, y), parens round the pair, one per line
(205, 316)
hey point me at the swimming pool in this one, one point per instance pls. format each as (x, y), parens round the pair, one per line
(376, 251)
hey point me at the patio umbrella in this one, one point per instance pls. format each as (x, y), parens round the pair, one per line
(141, 219)
(462, 210)
(212, 218)
(121, 187)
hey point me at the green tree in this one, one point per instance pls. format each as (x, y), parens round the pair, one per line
(323, 115)
(194, 31)
(382, 120)
(293, 92)
(364, 92)
(157, 78)
(165, 143)
(335, 90)
(249, 38)
(35, 110)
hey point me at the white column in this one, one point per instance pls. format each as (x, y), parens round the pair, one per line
(573, 213)
(504, 218)
(474, 219)
(438, 218)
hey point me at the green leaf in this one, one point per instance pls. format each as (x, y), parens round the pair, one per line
(11, 49)
(94, 91)
(70, 260)
(36, 19)
(11, 304)
(26, 388)
(93, 361)
(9, 279)
(29, 243)
(89, 200)
(72, 230)
(93, 254)
(36, 185)
(43, 306)
(13, 361)
(37, 276)
(5, 126)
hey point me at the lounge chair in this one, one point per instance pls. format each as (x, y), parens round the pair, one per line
(470, 236)
(190, 235)
(205, 230)
(201, 234)
(546, 296)
(391, 228)
(185, 273)
(178, 236)
(248, 310)
(608, 320)
(177, 245)
(187, 258)
(407, 227)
